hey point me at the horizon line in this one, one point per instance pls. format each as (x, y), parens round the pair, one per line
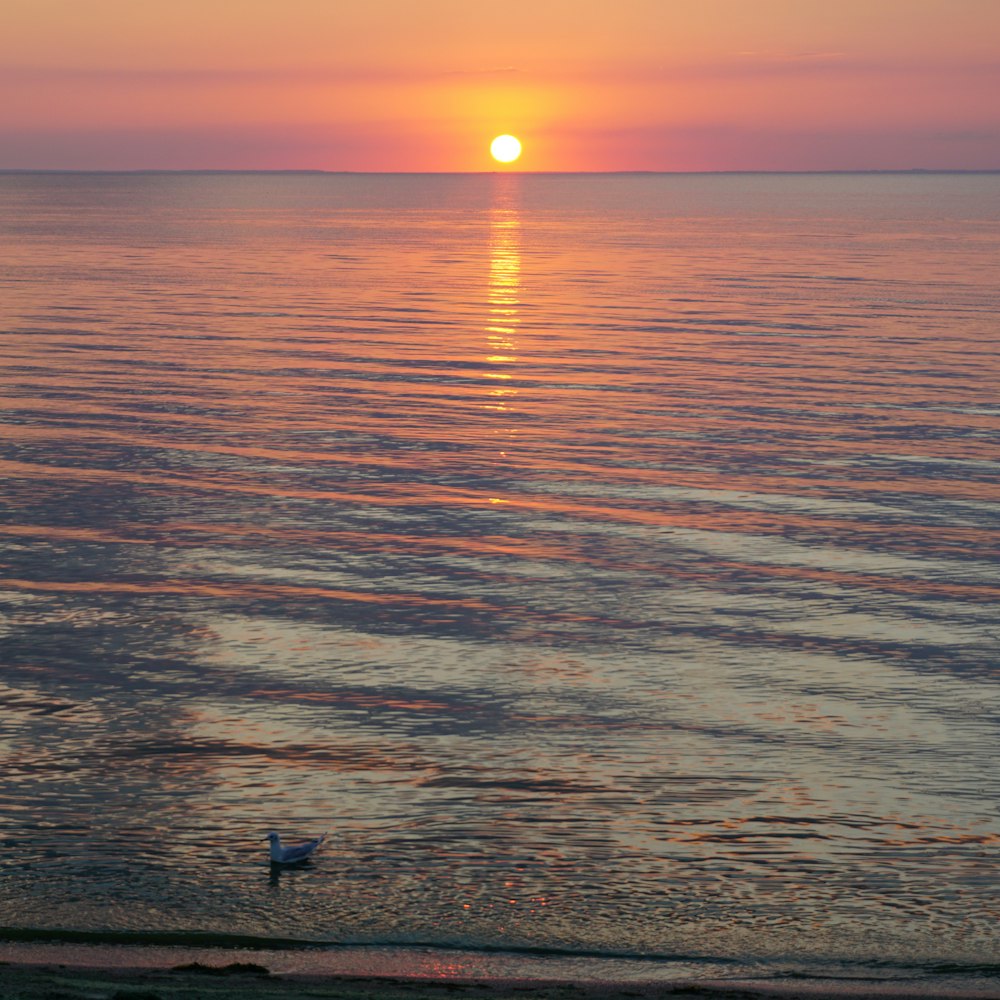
(476, 173)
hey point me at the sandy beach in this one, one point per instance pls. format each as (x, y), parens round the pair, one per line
(72, 972)
(23, 982)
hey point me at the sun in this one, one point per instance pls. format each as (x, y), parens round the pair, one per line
(505, 148)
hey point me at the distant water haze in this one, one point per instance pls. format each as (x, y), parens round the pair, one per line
(608, 562)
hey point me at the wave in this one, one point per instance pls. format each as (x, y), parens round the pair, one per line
(218, 940)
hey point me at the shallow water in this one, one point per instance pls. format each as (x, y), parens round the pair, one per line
(609, 562)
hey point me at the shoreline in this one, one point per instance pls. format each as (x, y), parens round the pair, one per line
(52, 971)
(238, 980)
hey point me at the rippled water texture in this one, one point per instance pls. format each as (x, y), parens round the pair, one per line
(608, 562)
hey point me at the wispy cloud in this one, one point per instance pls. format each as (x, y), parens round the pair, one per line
(498, 71)
(758, 65)
(209, 76)
(735, 146)
(742, 65)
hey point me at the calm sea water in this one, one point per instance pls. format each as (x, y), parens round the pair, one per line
(608, 562)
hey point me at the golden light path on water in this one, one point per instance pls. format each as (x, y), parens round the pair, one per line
(501, 329)
(609, 562)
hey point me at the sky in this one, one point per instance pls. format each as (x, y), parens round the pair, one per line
(424, 85)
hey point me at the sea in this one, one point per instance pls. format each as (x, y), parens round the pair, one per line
(608, 562)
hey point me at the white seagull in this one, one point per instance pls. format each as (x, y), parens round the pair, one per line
(291, 855)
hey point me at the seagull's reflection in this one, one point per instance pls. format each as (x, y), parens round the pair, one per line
(278, 872)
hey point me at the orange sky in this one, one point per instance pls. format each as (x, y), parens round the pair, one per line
(425, 84)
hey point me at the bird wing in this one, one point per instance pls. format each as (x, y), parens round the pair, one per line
(301, 851)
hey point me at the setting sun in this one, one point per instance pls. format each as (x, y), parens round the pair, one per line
(505, 148)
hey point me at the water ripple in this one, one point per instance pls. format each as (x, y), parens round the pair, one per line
(604, 560)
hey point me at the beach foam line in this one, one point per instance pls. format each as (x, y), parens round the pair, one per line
(213, 941)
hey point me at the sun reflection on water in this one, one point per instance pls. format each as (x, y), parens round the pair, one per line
(503, 296)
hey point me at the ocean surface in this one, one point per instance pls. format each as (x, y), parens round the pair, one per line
(608, 562)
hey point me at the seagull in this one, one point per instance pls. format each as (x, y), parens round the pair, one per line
(291, 855)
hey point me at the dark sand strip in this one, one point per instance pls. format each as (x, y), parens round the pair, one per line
(241, 981)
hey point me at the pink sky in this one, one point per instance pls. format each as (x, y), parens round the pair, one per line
(425, 84)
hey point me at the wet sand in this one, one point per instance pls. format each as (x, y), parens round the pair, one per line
(24, 977)
(236, 982)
